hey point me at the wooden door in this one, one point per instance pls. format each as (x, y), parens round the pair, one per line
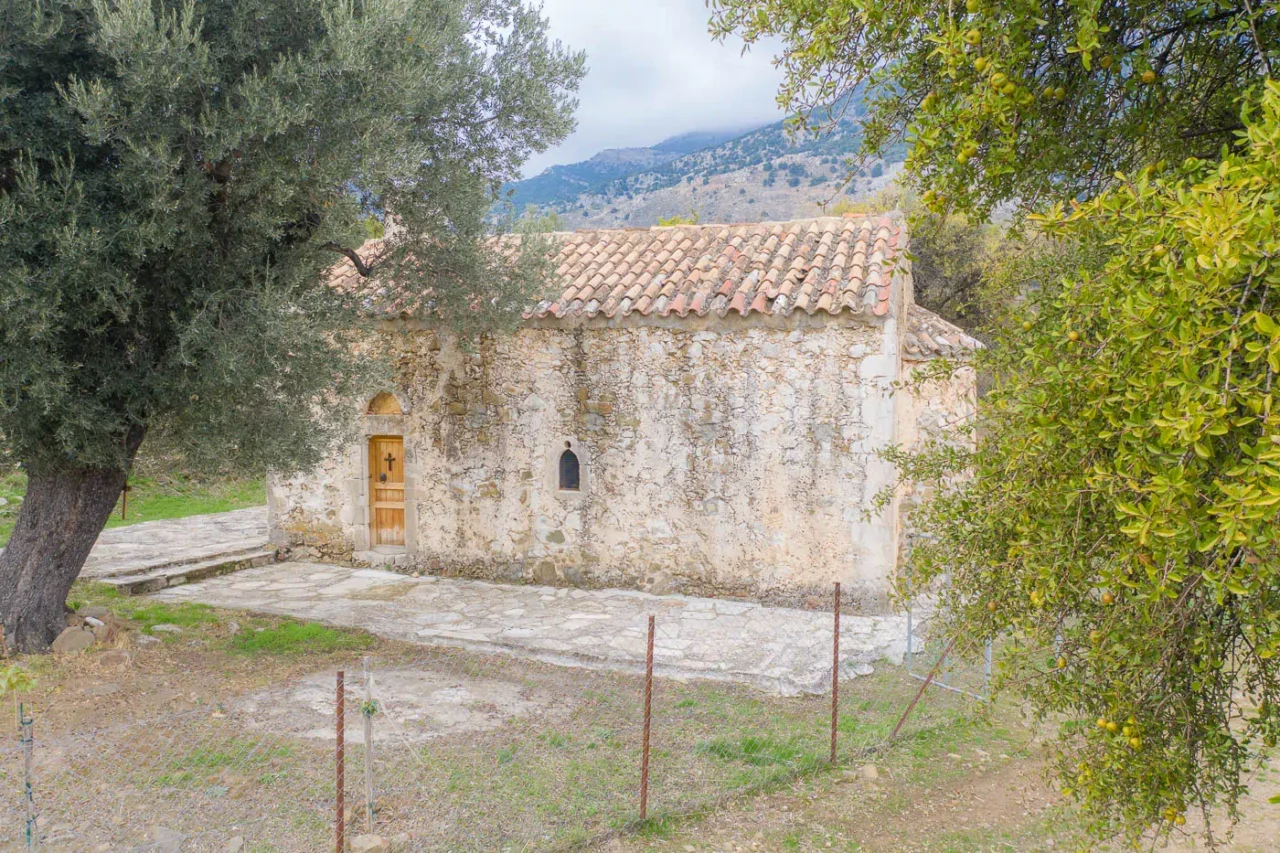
(386, 490)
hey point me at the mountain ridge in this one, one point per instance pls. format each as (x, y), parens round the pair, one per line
(763, 173)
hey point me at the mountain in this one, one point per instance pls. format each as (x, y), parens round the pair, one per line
(560, 184)
(762, 174)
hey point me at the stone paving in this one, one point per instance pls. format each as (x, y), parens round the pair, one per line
(774, 648)
(139, 547)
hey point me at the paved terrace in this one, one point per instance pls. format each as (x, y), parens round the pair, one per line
(774, 648)
(138, 547)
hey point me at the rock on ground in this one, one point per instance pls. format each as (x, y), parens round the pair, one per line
(370, 844)
(73, 641)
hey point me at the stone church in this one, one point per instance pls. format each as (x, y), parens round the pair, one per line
(694, 409)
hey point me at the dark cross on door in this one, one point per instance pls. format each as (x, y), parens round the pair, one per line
(390, 460)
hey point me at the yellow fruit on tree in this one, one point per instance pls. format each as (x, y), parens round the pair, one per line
(973, 37)
(1102, 722)
(971, 5)
(1113, 726)
(1060, 93)
(1073, 336)
(1148, 76)
(1108, 598)
(1135, 742)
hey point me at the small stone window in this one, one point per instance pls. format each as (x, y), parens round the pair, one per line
(570, 471)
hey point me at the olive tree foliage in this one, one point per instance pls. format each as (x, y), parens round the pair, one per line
(1021, 100)
(175, 179)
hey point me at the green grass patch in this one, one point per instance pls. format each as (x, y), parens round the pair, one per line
(173, 495)
(290, 637)
(761, 751)
(203, 763)
(148, 615)
(13, 485)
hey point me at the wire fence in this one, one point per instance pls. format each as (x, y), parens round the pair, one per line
(450, 750)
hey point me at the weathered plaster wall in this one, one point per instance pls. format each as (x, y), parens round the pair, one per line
(933, 411)
(716, 458)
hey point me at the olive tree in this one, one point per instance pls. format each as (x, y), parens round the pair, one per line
(175, 179)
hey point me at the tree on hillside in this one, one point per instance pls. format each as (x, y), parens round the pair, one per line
(175, 179)
(1118, 519)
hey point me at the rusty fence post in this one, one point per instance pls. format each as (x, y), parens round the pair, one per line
(648, 716)
(923, 687)
(340, 829)
(835, 675)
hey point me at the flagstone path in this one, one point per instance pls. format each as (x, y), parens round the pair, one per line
(774, 648)
(138, 547)
(142, 547)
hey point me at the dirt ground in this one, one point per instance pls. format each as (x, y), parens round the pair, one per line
(197, 726)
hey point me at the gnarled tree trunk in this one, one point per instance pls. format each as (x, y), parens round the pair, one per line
(62, 514)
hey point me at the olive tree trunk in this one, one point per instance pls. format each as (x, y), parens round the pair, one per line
(61, 516)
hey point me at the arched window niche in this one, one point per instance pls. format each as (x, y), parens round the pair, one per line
(384, 404)
(570, 470)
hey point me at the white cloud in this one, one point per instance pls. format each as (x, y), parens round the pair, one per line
(654, 72)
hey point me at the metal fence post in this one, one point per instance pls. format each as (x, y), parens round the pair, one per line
(835, 675)
(27, 724)
(648, 714)
(368, 711)
(340, 824)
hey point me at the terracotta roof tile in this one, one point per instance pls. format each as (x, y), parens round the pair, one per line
(827, 264)
(930, 336)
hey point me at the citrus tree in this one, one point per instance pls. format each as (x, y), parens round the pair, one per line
(1117, 519)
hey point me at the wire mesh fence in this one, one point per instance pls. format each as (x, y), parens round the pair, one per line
(197, 779)
(449, 750)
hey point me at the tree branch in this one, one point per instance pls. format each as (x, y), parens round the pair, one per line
(352, 255)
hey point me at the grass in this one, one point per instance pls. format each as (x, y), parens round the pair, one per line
(202, 764)
(150, 498)
(290, 637)
(257, 635)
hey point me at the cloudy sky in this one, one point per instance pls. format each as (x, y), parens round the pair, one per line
(654, 72)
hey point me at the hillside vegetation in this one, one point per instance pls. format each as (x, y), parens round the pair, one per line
(763, 174)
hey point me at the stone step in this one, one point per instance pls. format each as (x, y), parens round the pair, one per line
(177, 574)
(150, 563)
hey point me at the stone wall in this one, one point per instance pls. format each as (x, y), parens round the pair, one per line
(931, 411)
(718, 457)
